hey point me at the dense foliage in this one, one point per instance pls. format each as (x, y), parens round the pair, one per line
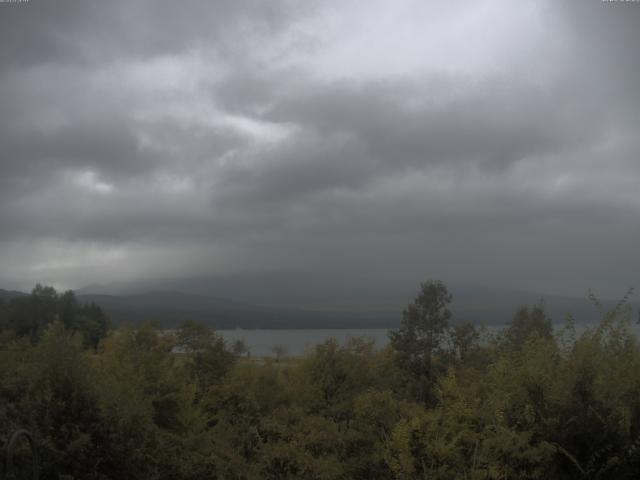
(441, 402)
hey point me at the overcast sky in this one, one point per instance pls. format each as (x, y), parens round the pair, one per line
(344, 145)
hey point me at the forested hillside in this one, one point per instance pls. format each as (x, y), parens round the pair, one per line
(440, 402)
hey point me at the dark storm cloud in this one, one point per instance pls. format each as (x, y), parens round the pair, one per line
(78, 31)
(179, 138)
(497, 126)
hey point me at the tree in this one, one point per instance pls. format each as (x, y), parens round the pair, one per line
(239, 348)
(29, 316)
(464, 338)
(194, 336)
(424, 323)
(34, 313)
(525, 323)
(67, 309)
(93, 323)
(209, 358)
(279, 351)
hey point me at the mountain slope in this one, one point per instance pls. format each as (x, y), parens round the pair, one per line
(9, 294)
(170, 308)
(475, 304)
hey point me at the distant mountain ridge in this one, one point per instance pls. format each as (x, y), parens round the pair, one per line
(169, 308)
(9, 294)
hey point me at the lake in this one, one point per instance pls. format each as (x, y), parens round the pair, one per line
(296, 342)
(261, 342)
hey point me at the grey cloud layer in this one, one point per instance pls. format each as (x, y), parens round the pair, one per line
(195, 136)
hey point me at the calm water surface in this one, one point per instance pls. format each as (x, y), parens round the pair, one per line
(297, 342)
